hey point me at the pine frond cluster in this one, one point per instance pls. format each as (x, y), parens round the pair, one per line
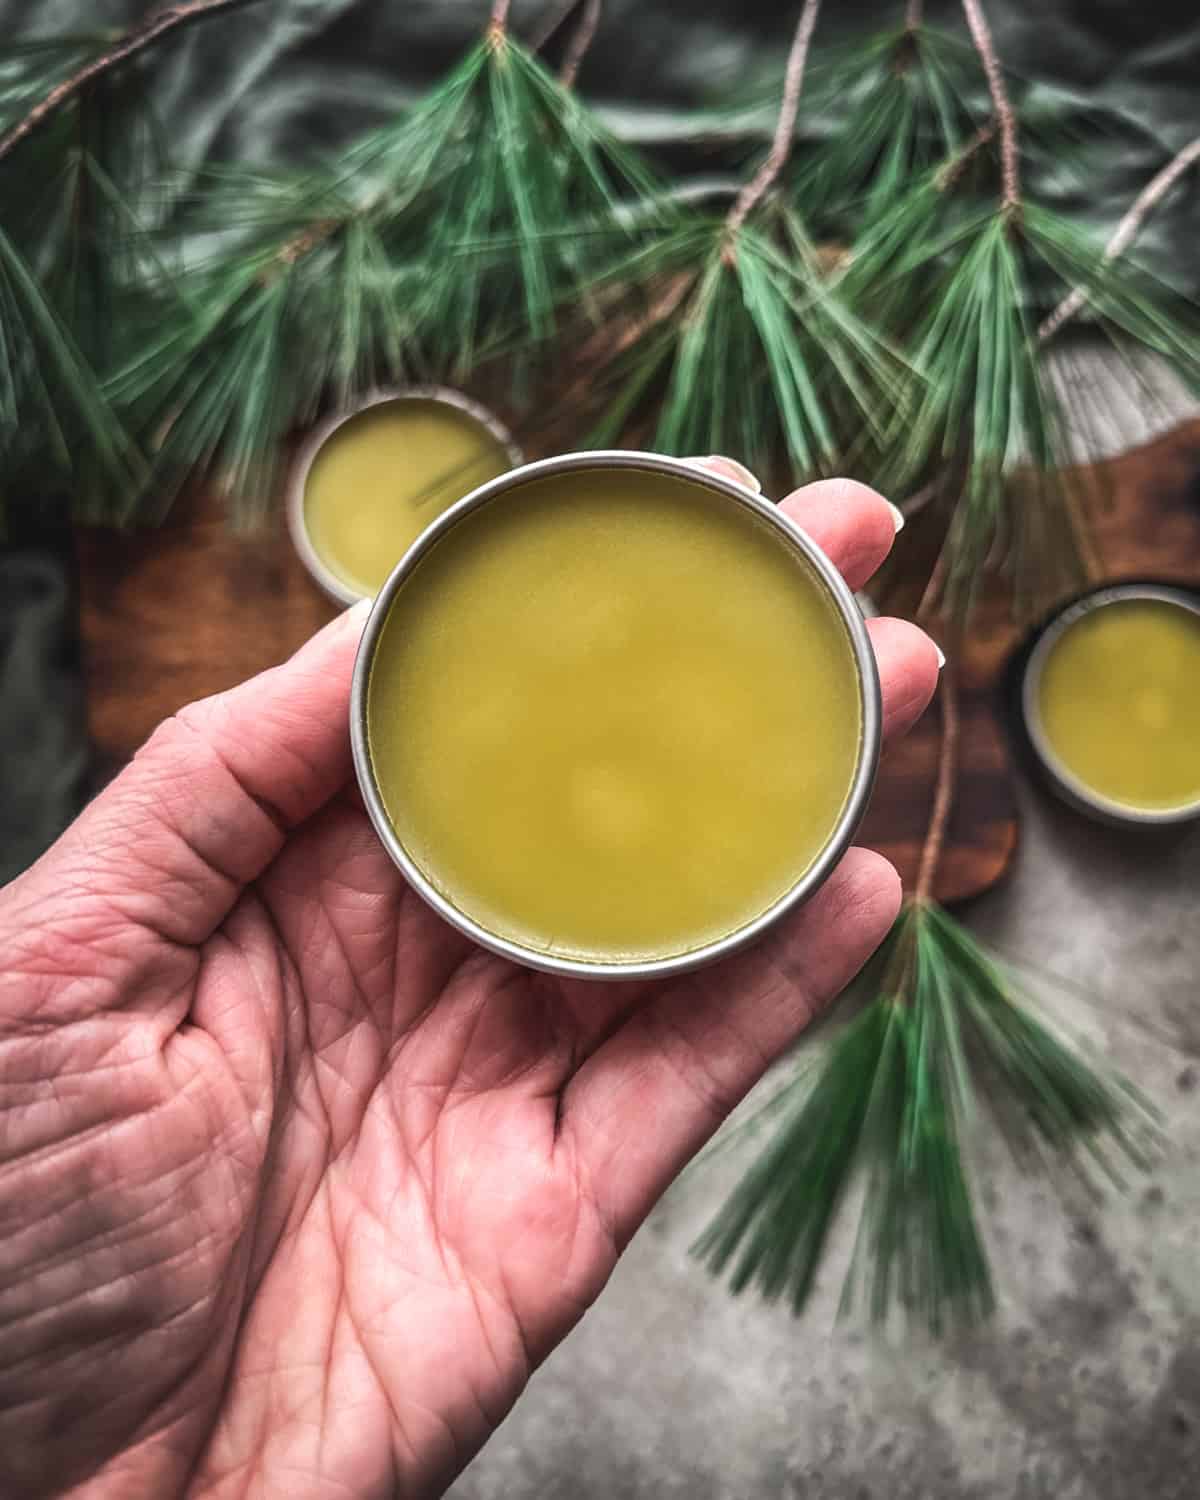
(948, 1038)
(446, 238)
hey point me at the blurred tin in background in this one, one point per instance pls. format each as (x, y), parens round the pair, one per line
(368, 480)
(1110, 697)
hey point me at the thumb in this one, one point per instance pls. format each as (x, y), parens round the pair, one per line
(208, 801)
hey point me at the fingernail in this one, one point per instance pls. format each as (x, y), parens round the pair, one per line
(897, 515)
(941, 655)
(357, 613)
(738, 472)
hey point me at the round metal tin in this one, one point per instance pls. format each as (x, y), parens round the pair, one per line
(325, 578)
(869, 743)
(1061, 778)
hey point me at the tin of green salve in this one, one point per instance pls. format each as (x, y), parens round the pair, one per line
(613, 716)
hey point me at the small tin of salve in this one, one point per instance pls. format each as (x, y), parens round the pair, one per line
(1070, 786)
(336, 586)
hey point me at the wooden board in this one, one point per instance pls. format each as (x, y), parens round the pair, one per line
(180, 612)
(190, 609)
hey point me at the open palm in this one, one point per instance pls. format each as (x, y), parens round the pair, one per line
(297, 1185)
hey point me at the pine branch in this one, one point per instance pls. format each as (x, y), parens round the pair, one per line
(756, 297)
(770, 313)
(1005, 117)
(585, 34)
(1126, 232)
(452, 234)
(785, 127)
(1077, 299)
(135, 40)
(895, 1100)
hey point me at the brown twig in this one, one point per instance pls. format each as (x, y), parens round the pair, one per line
(582, 39)
(943, 790)
(1010, 169)
(914, 15)
(1125, 233)
(952, 170)
(785, 127)
(308, 239)
(550, 24)
(498, 25)
(133, 41)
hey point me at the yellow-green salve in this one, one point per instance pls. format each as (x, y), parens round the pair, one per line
(384, 475)
(613, 716)
(1119, 701)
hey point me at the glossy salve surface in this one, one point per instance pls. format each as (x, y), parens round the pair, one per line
(1118, 700)
(613, 716)
(384, 474)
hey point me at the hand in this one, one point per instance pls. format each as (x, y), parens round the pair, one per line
(297, 1186)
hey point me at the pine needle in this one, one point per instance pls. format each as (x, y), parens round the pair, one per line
(948, 1034)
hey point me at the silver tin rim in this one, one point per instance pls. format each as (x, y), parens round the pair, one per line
(1064, 781)
(856, 800)
(326, 580)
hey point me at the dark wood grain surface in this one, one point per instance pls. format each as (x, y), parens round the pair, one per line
(174, 614)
